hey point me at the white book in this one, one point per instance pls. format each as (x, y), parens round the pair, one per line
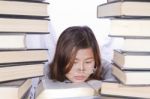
(131, 77)
(133, 44)
(130, 27)
(24, 25)
(22, 56)
(48, 89)
(114, 90)
(12, 41)
(15, 89)
(24, 8)
(8, 72)
(125, 9)
(132, 60)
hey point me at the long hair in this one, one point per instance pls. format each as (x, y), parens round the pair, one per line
(70, 41)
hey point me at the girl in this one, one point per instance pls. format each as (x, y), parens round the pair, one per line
(77, 57)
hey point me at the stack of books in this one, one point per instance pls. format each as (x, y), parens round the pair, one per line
(18, 64)
(130, 20)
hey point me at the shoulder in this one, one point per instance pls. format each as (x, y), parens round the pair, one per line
(105, 64)
(107, 70)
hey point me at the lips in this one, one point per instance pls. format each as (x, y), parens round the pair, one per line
(79, 77)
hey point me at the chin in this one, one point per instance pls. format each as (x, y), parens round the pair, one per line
(78, 81)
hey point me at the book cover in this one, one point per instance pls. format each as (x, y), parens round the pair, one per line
(114, 90)
(132, 60)
(127, 0)
(12, 41)
(130, 28)
(133, 44)
(126, 9)
(131, 77)
(22, 8)
(23, 56)
(15, 89)
(20, 71)
(48, 89)
(22, 25)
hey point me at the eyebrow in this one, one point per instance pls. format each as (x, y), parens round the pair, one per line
(86, 58)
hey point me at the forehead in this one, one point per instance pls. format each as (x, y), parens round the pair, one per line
(84, 53)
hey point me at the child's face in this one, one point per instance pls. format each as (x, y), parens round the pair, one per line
(83, 66)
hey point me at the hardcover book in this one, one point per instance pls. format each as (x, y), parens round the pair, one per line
(131, 77)
(48, 89)
(130, 28)
(132, 60)
(127, 0)
(134, 44)
(23, 56)
(12, 41)
(20, 71)
(15, 89)
(21, 25)
(22, 8)
(114, 90)
(126, 9)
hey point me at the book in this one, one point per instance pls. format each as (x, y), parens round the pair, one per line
(20, 71)
(125, 9)
(109, 1)
(47, 89)
(120, 91)
(12, 41)
(127, 0)
(14, 8)
(131, 77)
(23, 56)
(132, 60)
(21, 25)
(134, 44)
(27, 0)
(15, 89)
(113, 97)
(129, 28)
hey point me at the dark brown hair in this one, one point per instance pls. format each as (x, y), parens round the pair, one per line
(70, 41)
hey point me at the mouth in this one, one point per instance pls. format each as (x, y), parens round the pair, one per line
(79, 77)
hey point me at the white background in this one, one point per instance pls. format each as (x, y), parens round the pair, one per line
(65, 13)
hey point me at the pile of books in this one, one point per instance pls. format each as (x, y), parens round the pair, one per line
(18, 64)
(130, 20)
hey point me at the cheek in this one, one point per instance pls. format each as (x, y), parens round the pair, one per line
(69, 75)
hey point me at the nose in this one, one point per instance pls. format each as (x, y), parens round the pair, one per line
(81, 67)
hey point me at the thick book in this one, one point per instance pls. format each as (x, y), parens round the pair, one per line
(15, 89)
(116, 90)
(23, 25)
(134, 44)
(23, 56)
(14, 8)
(48, 89)
(20, 71)
(132, 60)
(130, 28)
(113, 97)
(127, 0)
(12, 41)
(131, 77)
(126, 9)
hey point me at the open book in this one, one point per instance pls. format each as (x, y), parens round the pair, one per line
(48, 89)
